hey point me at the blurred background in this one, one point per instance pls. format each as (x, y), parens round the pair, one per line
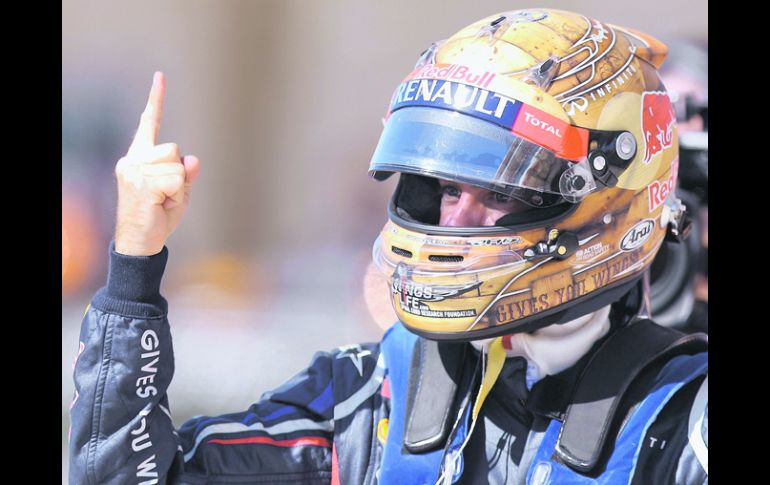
(282, 101)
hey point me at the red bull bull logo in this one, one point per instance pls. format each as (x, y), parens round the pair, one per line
(658, 122)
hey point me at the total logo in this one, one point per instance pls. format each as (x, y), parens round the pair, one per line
(548, 131)
(545, 126)
(637, 235)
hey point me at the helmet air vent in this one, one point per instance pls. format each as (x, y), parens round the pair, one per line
(444, 259)
(401, 252)
(543, 74)
(497, 21)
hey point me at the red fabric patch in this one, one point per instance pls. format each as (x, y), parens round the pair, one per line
(264, 440)
(507, 342)
(385, 390)
(335, 466)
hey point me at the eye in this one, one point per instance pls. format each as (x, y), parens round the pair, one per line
(450, 190)
(502, 198)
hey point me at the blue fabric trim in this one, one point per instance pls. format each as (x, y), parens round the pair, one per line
(676, 373)
(323, 402)
(203, 424)
(399, 467)
(279, 413)
(621, 465)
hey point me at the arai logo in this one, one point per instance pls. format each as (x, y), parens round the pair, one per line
(637, 235)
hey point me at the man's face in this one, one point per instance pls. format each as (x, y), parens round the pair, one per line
(464, 205)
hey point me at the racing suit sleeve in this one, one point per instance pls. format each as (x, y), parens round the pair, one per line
(121, 429)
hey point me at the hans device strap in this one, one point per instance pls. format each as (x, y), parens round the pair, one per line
(434, 377)
(606, 380)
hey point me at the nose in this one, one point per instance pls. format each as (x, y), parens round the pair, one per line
(468, 211)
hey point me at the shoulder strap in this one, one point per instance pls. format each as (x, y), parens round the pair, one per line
(606, 379)
(434, 376)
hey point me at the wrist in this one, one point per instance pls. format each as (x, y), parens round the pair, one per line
(127, 245)
(136, 250)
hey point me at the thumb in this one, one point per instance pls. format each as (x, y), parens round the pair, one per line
(192, 168)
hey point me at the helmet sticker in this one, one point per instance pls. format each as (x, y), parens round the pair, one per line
(537, 126)
(560, 288)
(500, 241)
(658, 122)
(594, 81)
(551, 132)
(658, 191)
(636, 236)
(517, 309)
(591, 252)
(412, 296)
(472, 100)
(581, 100)
(453, 72)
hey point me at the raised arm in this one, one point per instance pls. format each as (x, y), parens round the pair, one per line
(121, 429)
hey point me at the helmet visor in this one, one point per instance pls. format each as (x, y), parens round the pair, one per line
(453, 146)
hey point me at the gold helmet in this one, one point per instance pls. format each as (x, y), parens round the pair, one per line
(558, 110)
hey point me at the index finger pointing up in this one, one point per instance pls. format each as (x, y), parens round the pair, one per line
(149, 122)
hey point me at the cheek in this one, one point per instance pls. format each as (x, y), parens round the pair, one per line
(446, 211)
(492, 215)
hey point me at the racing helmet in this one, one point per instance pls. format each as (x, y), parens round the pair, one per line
(559, 111)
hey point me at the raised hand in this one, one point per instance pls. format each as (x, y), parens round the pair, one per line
(154, 183)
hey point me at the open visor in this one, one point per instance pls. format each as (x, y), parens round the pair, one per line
(454, 146)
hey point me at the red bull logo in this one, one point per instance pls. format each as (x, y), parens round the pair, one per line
(453, 72)
(658, 191)
(658, 121)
